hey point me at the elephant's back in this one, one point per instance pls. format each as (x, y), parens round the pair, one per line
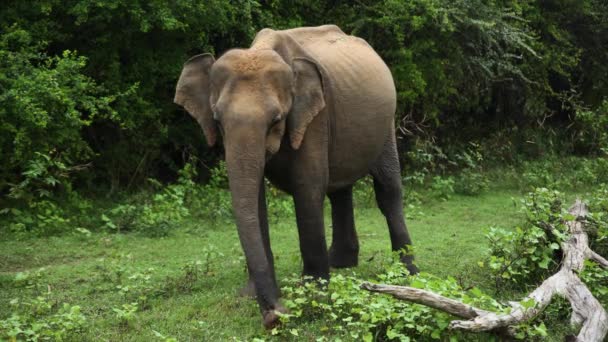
(362, 101)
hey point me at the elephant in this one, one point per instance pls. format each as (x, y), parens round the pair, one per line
(311, 109)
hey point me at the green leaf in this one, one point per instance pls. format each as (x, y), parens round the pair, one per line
(541, 329)
(528, 303)
(436, 334)
(544, 264)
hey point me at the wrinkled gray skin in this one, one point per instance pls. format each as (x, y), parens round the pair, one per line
(312, 109)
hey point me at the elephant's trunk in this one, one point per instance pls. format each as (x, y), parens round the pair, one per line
(245, 159)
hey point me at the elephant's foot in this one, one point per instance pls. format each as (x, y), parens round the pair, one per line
(343, 259)
(271, 318)
(248, 290)
(408, 261)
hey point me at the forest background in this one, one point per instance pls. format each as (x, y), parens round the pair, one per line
(115, 218)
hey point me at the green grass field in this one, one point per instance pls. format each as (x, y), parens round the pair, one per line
(86, 271)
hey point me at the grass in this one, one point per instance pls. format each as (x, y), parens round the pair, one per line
(86, 270)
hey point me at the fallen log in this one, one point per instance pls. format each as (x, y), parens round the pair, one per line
(587, 311)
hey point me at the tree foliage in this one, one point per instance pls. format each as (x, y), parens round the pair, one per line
(90, 81)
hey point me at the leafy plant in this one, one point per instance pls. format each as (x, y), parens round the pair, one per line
(163, 337)
(280, 205)
(41, 218)
(471, 183)
(39, 319)
(363, 192)
(530, 251)
(126, 313)
(597, 220)
(157, 216)
(471, 180)
(589, 133)
(442, 187)
(29, 280)
(138, 287)
(213, 202)
(350, 313)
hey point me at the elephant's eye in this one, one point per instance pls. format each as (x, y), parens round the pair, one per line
(216, 117)
(276, 118)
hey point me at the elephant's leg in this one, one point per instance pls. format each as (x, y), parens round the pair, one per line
(308, 202)
(387, 187)
(344, 250)
(249, 289)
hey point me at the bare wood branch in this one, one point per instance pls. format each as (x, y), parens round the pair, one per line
(427, 298)
(598, 258)
(586, 309)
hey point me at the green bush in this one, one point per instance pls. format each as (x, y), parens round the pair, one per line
(280, 205)
(42, 218)
(563, 172)
(155, 215)
(589, 133)
(351, 313)
(363, 192)
(126, 313)
(442, 187)
(470, 182)
(39, 319)
(597, 222)
(213, 201)
(596, 279)
(87, 81)
(529, 252)
(45, 104)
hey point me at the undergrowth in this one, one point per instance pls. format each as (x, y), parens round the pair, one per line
(517, 258)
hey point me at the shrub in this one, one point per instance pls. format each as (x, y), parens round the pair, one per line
(589, 132)
(41, 218)
(348, 312)
(564, 172)
(158, 215)
(530, 251)
(596, 279)
(41, 319)
(363, 192)
(470, 182)
(45, 103)
(597, 221)
(126, 314)
(212, 201)
(442, 187)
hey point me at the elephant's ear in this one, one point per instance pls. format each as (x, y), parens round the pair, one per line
(308, 99)
(192, 93)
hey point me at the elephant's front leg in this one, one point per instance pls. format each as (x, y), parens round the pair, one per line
(309, 214)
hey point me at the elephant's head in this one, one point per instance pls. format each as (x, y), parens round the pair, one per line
(253, 97)
(253, 92)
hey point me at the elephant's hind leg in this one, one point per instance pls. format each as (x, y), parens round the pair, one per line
(387, 187)
(344, 250)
